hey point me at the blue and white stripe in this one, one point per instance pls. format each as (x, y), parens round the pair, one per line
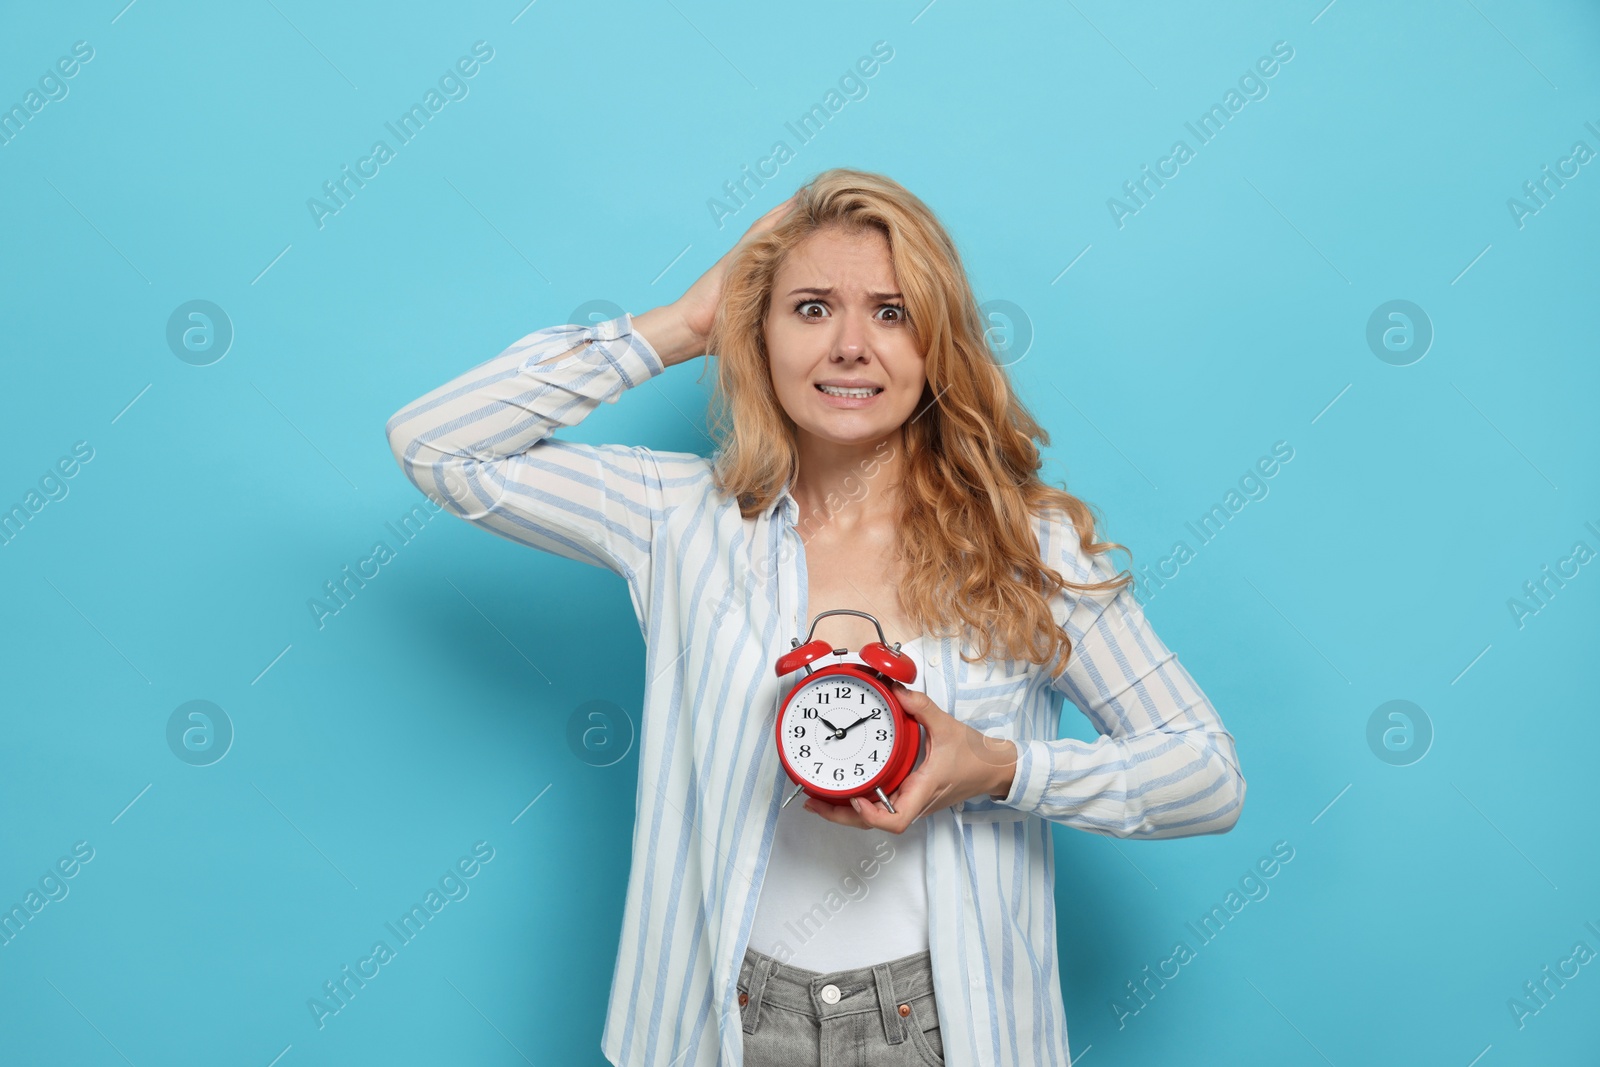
(718, 597)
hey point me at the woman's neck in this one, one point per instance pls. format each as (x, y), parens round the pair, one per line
(849, 486)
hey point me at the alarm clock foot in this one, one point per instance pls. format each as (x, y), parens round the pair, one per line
(797, 791)
(885, 800)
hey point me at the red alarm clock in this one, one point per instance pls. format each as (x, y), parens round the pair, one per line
(841, 732)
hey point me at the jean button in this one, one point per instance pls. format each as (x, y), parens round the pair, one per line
(830, 993)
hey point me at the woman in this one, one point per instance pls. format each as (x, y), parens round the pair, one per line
(872, 456)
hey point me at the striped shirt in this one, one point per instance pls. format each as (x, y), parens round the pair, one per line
(718, 598)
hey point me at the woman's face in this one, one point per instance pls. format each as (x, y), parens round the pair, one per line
(837, 317)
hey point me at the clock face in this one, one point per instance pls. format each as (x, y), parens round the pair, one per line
(812, 723)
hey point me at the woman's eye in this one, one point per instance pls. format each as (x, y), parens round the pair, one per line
(898, 310)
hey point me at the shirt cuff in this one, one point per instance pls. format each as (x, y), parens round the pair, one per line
(628, 351)
(1033, 775)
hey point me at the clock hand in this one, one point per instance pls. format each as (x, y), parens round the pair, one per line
(853, 725)
(837, 733)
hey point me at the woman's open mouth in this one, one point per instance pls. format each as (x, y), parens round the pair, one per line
(847, 396)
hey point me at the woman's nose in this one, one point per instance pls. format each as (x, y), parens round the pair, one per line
(851, 340)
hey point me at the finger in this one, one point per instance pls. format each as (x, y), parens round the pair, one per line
(917, 704)
(905, 801)
(836, 814)
(873, 815)
(767, 221)
(912, 698)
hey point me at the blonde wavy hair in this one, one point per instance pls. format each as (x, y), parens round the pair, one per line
(970, 491)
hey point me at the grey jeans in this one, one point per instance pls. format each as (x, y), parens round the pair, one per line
(882, 1016)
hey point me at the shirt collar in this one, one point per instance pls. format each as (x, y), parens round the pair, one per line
(784, 505)
(787, 507)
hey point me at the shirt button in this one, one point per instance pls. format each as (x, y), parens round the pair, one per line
(830, 993)
(744, 998)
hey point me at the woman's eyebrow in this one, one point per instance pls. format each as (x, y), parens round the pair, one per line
(829, 292)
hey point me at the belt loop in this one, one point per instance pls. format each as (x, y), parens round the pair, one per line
(894, 1027)
(758, 983)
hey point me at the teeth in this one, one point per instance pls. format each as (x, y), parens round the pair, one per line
(834, 390)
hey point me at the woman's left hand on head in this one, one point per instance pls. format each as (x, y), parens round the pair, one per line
(960, 763)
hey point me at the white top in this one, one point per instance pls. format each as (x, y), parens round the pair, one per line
(837, 897)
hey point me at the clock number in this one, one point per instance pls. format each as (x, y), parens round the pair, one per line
(842, 692)
(808, 713)
(858, 770)
(819, 768)
(799, 729)
(883, 735)
(805, 751)
(873, 755)
(838, 774)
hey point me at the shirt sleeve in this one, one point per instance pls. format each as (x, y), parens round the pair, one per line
(1163, 765)
(480, 445)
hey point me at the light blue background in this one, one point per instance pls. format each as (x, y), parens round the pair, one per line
(1229, 313)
